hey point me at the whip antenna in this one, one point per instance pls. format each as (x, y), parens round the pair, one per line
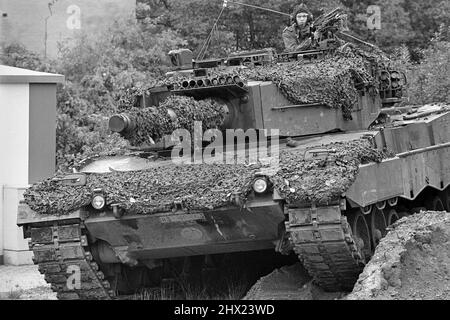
(207, 42)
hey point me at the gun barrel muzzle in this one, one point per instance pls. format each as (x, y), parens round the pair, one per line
(120, 123)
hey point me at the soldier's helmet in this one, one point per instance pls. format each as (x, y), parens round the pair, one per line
(299, 9)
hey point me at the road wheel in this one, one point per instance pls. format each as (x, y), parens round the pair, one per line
(377, 226)
(435, 204)
(445, 198)
(391, 217)
(361, 234)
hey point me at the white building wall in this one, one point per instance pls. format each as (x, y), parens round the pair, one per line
(16, 251)
(1, 224)
(14, 136)
(14, 124)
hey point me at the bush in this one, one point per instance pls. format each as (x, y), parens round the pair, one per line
(16, 55)
(428, 80)
(98, 69)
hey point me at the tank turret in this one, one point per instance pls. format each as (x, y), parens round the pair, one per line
(300, 94)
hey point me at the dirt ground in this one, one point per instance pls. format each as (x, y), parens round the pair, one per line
(289, 283)
(411, 262)
(24, 283)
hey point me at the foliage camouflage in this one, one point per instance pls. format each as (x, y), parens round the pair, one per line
(330, 81)
(155, 122)
(322, 181)
(209, 186)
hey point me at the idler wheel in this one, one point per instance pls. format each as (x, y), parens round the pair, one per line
(361, 234)
(377, 225)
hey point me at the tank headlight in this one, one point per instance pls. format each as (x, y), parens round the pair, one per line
(260, 185)
(98, 202)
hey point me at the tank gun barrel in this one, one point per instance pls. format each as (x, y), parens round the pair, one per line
(121, 123)
(140, 125)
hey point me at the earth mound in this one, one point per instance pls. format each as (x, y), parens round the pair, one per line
(411, 262)
(289, 283)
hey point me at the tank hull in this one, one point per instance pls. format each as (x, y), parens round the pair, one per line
(180, 234)
(326, 238)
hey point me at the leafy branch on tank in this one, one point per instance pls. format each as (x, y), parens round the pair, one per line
(147, 125)
(209, 186)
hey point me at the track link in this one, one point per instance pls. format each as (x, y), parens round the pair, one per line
(324, 243)
(61, 251)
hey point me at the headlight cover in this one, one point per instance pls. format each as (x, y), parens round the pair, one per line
(98, 202)
(260, 185)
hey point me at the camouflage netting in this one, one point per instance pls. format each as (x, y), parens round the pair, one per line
(205, 186)
(209, 186)
(155, 122)
(330, 81)
(321, 181)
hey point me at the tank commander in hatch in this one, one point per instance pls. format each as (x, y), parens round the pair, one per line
(297, 37)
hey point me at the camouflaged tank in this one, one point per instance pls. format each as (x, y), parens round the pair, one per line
(350, 163)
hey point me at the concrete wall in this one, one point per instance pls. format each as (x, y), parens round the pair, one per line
(14, 104)
(27, 148)
(25, 20)
(14, 108)
(15, 247)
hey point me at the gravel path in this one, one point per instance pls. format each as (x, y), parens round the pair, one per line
(24, 283)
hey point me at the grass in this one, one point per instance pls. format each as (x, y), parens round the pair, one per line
(38, 293)
(13, 294)
(232, 278)
(234, 290)
(225, 285)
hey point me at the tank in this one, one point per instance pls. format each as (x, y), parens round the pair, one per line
(352, 171)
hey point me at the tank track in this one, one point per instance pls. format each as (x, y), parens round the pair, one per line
(62, 249)
(328, 251)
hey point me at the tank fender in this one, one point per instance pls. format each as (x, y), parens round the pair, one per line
(26, 216)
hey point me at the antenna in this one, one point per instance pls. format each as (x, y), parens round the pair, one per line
(225, 2)
(207, 42)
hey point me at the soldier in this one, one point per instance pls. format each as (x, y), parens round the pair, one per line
(297, 37)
